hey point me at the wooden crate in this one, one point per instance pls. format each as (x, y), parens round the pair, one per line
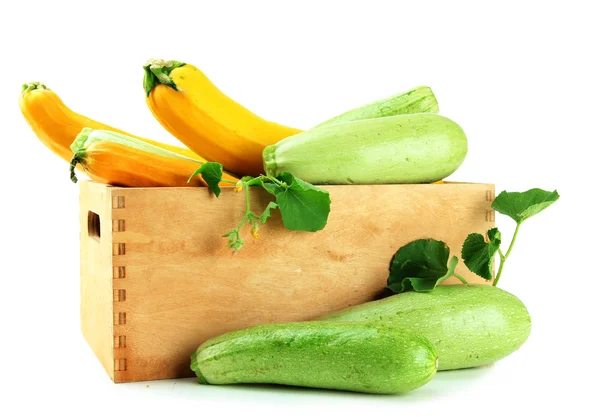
(157, 278)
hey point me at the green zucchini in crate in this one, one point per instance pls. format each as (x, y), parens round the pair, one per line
(362, 357)
(407, 148)
(418, 100)
(470, 325)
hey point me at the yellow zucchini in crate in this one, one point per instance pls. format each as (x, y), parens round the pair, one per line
(112, 158)
(209, 122)
(56, 125)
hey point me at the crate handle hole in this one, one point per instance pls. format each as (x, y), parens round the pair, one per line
(93, 225)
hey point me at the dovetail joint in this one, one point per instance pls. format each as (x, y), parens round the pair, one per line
(119, 295)
(119, 225)
(119, 272)
(120, 341)
(118, 202)
(490, 216)
(489, 195)
(118, 249)
(120, 318)
(121, 364)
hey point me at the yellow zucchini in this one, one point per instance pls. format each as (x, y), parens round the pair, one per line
(116, 159)
(206, 120)
(57, 126)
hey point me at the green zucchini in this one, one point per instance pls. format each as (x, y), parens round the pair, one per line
(470, 325)
(418, 100)
(408, 148)
(362, 357)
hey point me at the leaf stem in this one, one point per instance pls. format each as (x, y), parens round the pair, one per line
(275, 180)
(503, 257)
(502, 260)
(247, 191)
(512, 243)
(249, 217)
(464, 281)
(452, 270)
(229, 181)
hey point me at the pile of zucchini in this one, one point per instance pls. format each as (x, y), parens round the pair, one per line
(400, 139)
(402, 149)
(388, 346)
(398, 343)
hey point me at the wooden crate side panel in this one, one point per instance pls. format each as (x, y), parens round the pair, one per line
(96, 271)
(183, 285)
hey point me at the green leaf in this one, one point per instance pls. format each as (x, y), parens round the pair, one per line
(288, 178)
(421, 265)
(523, 205)
(424, 284)
(478, 254)
(303, 206)
(267, 213)
(272, 188)
(212, 173)
(253, 182)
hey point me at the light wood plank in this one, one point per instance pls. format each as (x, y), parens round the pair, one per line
(96, 272)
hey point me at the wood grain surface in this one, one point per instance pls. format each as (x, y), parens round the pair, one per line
(160, 279)
(96, 283)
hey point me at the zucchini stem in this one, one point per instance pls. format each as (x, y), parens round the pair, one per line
(27, 87)
(157, 71)
(77, 158)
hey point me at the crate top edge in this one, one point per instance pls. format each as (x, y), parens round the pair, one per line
(113, 188)
(338, 186)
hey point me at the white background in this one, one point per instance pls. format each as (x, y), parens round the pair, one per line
(521, 78)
